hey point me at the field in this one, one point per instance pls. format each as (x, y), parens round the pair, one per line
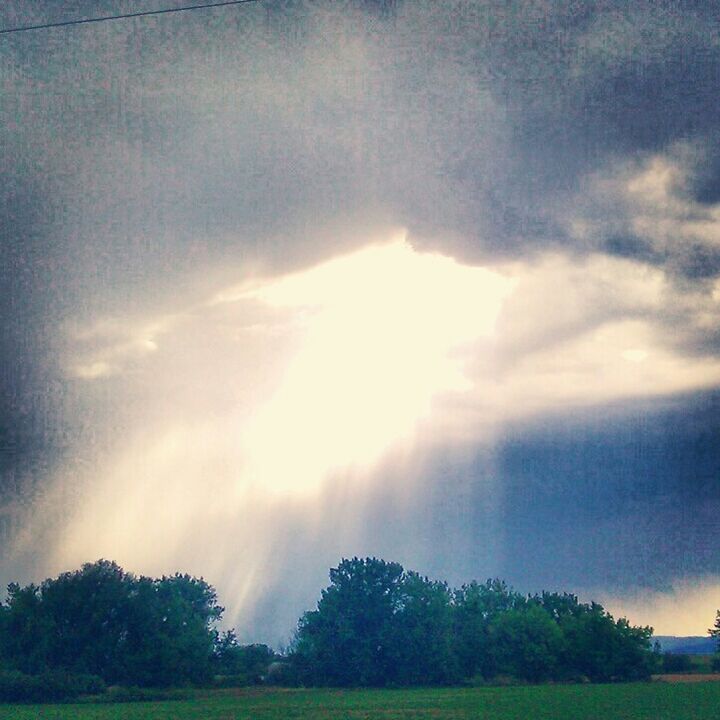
(639, 701)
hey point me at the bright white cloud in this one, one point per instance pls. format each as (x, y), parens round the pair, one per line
(381, 328)
(271, 389)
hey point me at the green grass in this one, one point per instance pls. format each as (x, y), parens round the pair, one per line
(640, 701)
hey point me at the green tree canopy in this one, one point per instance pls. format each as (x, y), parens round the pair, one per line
(104, 621)
(349, 639)
(378, 624)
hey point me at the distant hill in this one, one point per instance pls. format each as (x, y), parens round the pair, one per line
(696, 645)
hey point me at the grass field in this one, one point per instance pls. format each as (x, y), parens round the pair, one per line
(640, 701)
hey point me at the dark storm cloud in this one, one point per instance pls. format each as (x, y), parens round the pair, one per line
(475, 122)
(31, 394)
(584, 85)
(705, 187)
(614, 499)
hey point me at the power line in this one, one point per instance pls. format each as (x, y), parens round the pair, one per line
(122, 17)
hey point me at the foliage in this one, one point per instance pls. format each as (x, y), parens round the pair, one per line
(377, 624)
(16, 686)
(239, 665)
(423, 634)
(714, 631)
(599, 647)
(676, 663)
(351, 639)
(526, 643)
(474, 607)
(103, 621)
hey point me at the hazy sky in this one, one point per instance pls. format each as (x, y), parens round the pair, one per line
(297, 280)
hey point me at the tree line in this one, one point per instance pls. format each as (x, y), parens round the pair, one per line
(100, 626)
(379, 625)
(376, 624)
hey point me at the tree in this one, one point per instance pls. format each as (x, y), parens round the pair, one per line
(676, 663)
(715, 630)
(348, 640)
(87, 610)
(423, 642)
(248, 664)
(27, 631)
(475, 606)
(603, 649)
(377, 624)
(526, 643)
(104, 621)
(171, 633)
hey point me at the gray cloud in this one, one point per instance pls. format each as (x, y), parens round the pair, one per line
(233, 131)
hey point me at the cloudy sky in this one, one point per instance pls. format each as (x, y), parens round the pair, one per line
(298, 279)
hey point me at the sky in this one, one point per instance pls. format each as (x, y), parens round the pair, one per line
(295, 280)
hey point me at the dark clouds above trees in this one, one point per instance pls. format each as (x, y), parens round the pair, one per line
(473, 120)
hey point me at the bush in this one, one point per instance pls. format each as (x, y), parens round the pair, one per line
(676, 663)
(240, 665)
(237, 680)
(16, 686)
(283, 673)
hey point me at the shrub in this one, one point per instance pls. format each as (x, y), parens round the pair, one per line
(676, 663)
(16, 686)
